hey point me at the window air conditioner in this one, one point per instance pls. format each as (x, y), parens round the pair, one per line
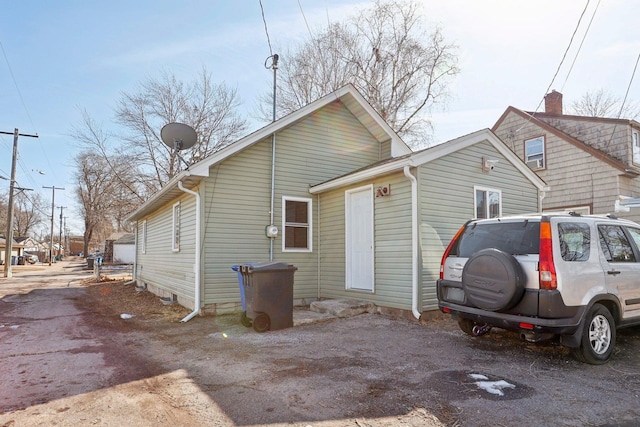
(536, 164)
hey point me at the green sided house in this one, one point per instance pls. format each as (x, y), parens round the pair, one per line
(334, 191)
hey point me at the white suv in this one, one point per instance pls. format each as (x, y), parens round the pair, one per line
(544, 275)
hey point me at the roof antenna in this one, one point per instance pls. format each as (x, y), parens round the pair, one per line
(274, 67)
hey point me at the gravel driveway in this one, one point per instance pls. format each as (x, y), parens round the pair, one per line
(68, 358)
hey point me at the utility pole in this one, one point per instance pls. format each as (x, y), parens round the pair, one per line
(66, 237)
(60, 238)
(53, 206)
(8, 245)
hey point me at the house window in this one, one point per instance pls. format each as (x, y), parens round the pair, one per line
(143, 240)
(635, 141)
(488, 202)
(296, 218)
(534, 153)
(175, 246)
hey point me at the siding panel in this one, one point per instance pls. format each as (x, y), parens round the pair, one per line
(326, 144)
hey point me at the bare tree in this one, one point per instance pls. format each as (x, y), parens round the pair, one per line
(95, 193)
(387, 54)
(92, 137)
(209, 108)
(4, 209)
(604, 104)
(29, 210)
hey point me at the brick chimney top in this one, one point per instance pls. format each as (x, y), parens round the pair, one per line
(553, 103)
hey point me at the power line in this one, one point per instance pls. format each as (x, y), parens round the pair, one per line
(305, 19)
(623, 101)
(563, 56)
(629, 86)
(15, 83)
(580, 47)
(264, 20)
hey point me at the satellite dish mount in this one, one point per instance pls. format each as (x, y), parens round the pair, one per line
(178, 136)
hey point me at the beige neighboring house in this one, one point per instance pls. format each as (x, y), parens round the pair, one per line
(590, 163)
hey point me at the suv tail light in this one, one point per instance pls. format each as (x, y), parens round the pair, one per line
(546, 268)
(448, 250)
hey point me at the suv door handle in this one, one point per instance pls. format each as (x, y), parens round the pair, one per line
(613, 272)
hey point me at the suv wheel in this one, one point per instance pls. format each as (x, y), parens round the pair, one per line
(598, 337)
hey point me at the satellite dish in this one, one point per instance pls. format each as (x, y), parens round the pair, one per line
(178, 136)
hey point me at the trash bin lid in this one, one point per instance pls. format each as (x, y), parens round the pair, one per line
(268, 266)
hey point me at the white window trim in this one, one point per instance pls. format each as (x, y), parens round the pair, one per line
(143, 243)
(544, 151)
(309, 202)
(635, 146)
(175, 245)
(477, 188)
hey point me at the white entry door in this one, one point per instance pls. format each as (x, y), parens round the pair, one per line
(359, 238)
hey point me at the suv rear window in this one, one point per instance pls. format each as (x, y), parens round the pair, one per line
(511, 237)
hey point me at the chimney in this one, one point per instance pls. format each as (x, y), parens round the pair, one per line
(553, 103)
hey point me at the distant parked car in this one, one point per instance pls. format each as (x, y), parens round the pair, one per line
(31, 258)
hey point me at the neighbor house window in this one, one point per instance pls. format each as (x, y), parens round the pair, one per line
(488, 202)
(534, 153)
(176, 227)
(296, 218)
(635, 141)
(143, 239)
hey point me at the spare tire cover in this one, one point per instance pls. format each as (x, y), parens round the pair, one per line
(493, 280)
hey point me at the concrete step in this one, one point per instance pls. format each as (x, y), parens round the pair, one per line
(342, 307)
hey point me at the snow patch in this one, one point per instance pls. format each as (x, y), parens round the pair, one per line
(479, 377)
(126, 316)
(493, 387)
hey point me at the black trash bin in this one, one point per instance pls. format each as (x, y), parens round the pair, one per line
(268, 293)
(20, 260)
(90, 263)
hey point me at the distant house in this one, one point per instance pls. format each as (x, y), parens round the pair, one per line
(76, 244)
(34, 247)
(124, 249)
(339, 195)
(16, 249)
(31, 245)
(107, 251)
(589, 162)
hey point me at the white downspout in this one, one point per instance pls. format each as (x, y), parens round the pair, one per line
(135, 258)
(414, 243)
(196, 265)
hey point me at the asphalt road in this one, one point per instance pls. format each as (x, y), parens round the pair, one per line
(67, 360)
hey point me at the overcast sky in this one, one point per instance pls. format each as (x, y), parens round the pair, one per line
(59, 57)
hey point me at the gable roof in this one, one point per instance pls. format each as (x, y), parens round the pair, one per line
(15, 244)
(598, 154)
(348, 95)
(428, 155)
(126, 239)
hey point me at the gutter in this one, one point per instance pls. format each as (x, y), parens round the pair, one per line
(135, 258)
(196, 265)
(414, 243)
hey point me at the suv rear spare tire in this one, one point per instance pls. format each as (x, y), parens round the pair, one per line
(493, 280)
